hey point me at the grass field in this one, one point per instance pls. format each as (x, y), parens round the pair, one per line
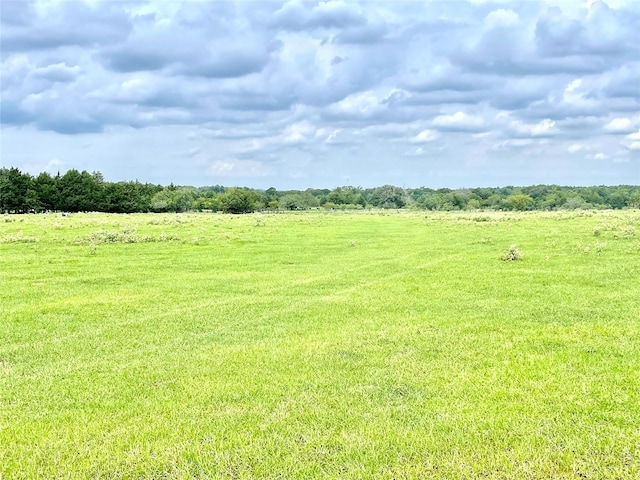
(320, 345)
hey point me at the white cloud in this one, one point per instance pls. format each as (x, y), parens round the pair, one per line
(514, 143)
(251, 146)
(502, 18)
(237, 168)
(53, 165)
(577, 147)
(619, 125)
(458, 121)
(544, 128)
(425, 136)
(573, 86)
(298, 133)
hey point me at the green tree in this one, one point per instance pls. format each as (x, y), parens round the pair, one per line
(520, 201)
(617, 200)
(162, 201)
(576, 203)
(47, 190)
(346, 196)
(238, 200)
(388, 196)
(13, 190)
(298, 201)
(634, 199)
(81, 192)
(126, 197)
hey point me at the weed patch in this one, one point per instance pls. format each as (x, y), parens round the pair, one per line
(125, 236)
(18, 238)
(512, 254)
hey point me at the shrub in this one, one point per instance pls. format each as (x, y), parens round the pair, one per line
(512, 254)
(599, 246)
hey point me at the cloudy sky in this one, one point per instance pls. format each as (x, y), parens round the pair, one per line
(304, 94)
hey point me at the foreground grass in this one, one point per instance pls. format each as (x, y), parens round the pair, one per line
(320, 345)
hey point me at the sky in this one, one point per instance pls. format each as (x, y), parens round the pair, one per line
(301, 94)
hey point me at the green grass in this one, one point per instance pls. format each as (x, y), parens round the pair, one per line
(320, 345)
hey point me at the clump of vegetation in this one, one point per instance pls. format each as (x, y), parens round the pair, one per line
(125, 236)
(18, 238)
(512, 254)
(626, 231)
(599, 246)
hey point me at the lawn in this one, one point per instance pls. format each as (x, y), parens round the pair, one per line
(320, 345)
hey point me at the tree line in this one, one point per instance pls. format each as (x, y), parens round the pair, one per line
(89, 192)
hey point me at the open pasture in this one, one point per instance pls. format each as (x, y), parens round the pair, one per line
(320, 345)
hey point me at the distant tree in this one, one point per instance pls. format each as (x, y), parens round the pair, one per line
(520, 201)
(13, 190)
(81, 192)
(176, 199)
(554, 200)
(271, 193)
(346, 196)
(388, 196)
(238, 200)
(617, 200)
(576, 203)
(473, 204)
(126, 197)
(298, 201)
(634, 199)
(319, 193)
(182, 199)
(593, 195)
(494, 201)
(47, 191)
(162, 201)
(31, 202)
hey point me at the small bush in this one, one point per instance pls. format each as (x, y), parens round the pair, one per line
(599, 246)
(512, 254)
(627, 231)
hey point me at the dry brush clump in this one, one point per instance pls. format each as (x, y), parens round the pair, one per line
(512, 254)
(625, 231)
(615, 230)
(18, 238)
(127, 235)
